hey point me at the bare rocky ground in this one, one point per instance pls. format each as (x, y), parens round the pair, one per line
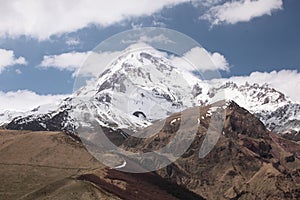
(51, 165)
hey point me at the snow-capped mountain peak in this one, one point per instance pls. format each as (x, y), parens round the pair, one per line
(141, 86)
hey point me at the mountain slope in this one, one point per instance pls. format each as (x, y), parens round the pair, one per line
(51, 165)
(247, 162)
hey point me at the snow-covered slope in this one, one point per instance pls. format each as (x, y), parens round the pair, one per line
(7, 116)
(273, 108)
(285, 119)
(138, 88)
(143, 86)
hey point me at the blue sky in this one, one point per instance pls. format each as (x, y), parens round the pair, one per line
(251, 36)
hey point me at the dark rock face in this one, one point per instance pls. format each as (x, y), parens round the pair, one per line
(197, 90)
(104, 98)
(264, 150)
(292, 135)
(148, 186)
(43, 123)
(290, 158)
(240, 121)
(112, 81)
(139, 114)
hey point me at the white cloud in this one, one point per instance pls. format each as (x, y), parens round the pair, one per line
(66, 61)
(43, 18)
(97, 63)
(18, 71)
(72, 41)
(146, 39)
(206, 3)
(7, 58)
(24, 100)
(286, 81)
(92, 63)
(240, 11)
(85, 63)
(201, 60)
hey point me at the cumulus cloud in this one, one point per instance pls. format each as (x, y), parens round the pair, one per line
(24, 100)
(233, 12)
(83, 63)
(43, 18)
(146, 39)
(97, 62)
(94, 63)
(7, 58)
(200, 59)
(286, 81)
(66, 61)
